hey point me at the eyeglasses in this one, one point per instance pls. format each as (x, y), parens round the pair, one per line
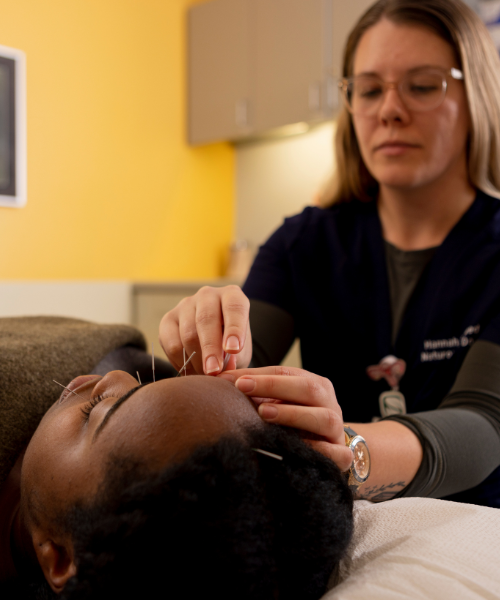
(420, 90)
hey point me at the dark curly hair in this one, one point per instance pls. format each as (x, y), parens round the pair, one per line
(227, 522)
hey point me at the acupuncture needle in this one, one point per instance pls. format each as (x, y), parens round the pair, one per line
(67, 388)
(226, 362)
(183, 368)
(267, 453)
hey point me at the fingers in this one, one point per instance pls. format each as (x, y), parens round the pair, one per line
(278, 371)
(178, 333)
(321, 421)
(213, 320)
(207, 330)
(309, 391)
(235, 311)
(232, 361)
(170, 339)
(340, 454)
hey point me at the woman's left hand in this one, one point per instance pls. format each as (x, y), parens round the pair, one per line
(298, 399)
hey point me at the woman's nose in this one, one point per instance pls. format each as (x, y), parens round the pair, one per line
(392, 107)
(114, 383)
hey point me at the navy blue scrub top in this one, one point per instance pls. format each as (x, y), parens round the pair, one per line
(327, 268)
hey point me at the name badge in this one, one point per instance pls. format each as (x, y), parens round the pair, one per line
(392, 403)
(392, 370)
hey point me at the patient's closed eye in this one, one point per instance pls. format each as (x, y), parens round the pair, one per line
(87, 408)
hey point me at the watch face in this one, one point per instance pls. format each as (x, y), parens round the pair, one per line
(361, 461)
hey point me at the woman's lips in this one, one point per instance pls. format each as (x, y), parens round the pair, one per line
(76, 384)
(394, 148)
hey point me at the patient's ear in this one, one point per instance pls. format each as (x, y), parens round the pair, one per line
(56, 560)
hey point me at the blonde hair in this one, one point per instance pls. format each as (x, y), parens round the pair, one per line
(478, 58)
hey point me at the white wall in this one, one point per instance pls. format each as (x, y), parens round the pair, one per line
(102, 302)
(278, 178)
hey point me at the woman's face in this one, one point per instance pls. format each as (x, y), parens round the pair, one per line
(401, 148)
(159, 423)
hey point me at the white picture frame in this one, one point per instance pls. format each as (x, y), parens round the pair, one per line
(13, 175)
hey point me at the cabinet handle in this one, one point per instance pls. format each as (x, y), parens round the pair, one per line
(241, 113)
(314, 96)
(331, 93)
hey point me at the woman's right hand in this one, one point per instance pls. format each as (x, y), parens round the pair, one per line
(213, 321)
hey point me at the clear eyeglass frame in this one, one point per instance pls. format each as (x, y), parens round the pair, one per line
(371, 107)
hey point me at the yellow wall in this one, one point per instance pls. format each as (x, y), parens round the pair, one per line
(114, 192)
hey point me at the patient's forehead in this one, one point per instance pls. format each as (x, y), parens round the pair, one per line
(171, 417)
(203, 393)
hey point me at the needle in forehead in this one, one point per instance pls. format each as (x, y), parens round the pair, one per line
(67, 388)
(183, 368)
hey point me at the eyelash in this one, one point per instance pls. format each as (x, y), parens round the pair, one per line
(87, 408)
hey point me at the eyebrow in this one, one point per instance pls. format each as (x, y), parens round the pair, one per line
(426, 66)
(114, 408)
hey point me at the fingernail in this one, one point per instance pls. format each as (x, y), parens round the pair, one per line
(232, 343)
(268, 412)
(245, 385)
(211, 365)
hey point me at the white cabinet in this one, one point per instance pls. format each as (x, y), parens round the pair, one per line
(218, 70)
(257, 65)
(345, 13)
(288, 63)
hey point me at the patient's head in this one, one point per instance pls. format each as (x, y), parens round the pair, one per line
(158, 424)
(162, 487)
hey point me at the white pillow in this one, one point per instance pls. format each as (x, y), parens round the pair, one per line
(421, 548)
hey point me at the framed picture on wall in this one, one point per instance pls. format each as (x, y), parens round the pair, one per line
(12, 127)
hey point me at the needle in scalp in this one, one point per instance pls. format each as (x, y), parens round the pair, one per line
(266, 453)
(67, 388)
(183, 368)
(139, 378)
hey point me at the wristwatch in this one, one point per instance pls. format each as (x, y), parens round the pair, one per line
(360, 467)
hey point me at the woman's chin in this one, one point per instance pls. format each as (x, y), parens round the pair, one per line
(402, 181)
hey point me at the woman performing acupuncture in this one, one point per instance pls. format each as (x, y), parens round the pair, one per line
(174, 487)
(394, 290)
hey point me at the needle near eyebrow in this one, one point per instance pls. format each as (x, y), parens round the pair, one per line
(67, 388)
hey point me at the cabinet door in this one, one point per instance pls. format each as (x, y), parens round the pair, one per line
(288, 66)
(345, 15)
(218, 70)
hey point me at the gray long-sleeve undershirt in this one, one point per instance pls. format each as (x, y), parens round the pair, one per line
(461, 438)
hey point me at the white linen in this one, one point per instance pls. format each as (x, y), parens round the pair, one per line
(421, 548)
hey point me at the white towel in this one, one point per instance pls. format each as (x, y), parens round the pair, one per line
(421, 548)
